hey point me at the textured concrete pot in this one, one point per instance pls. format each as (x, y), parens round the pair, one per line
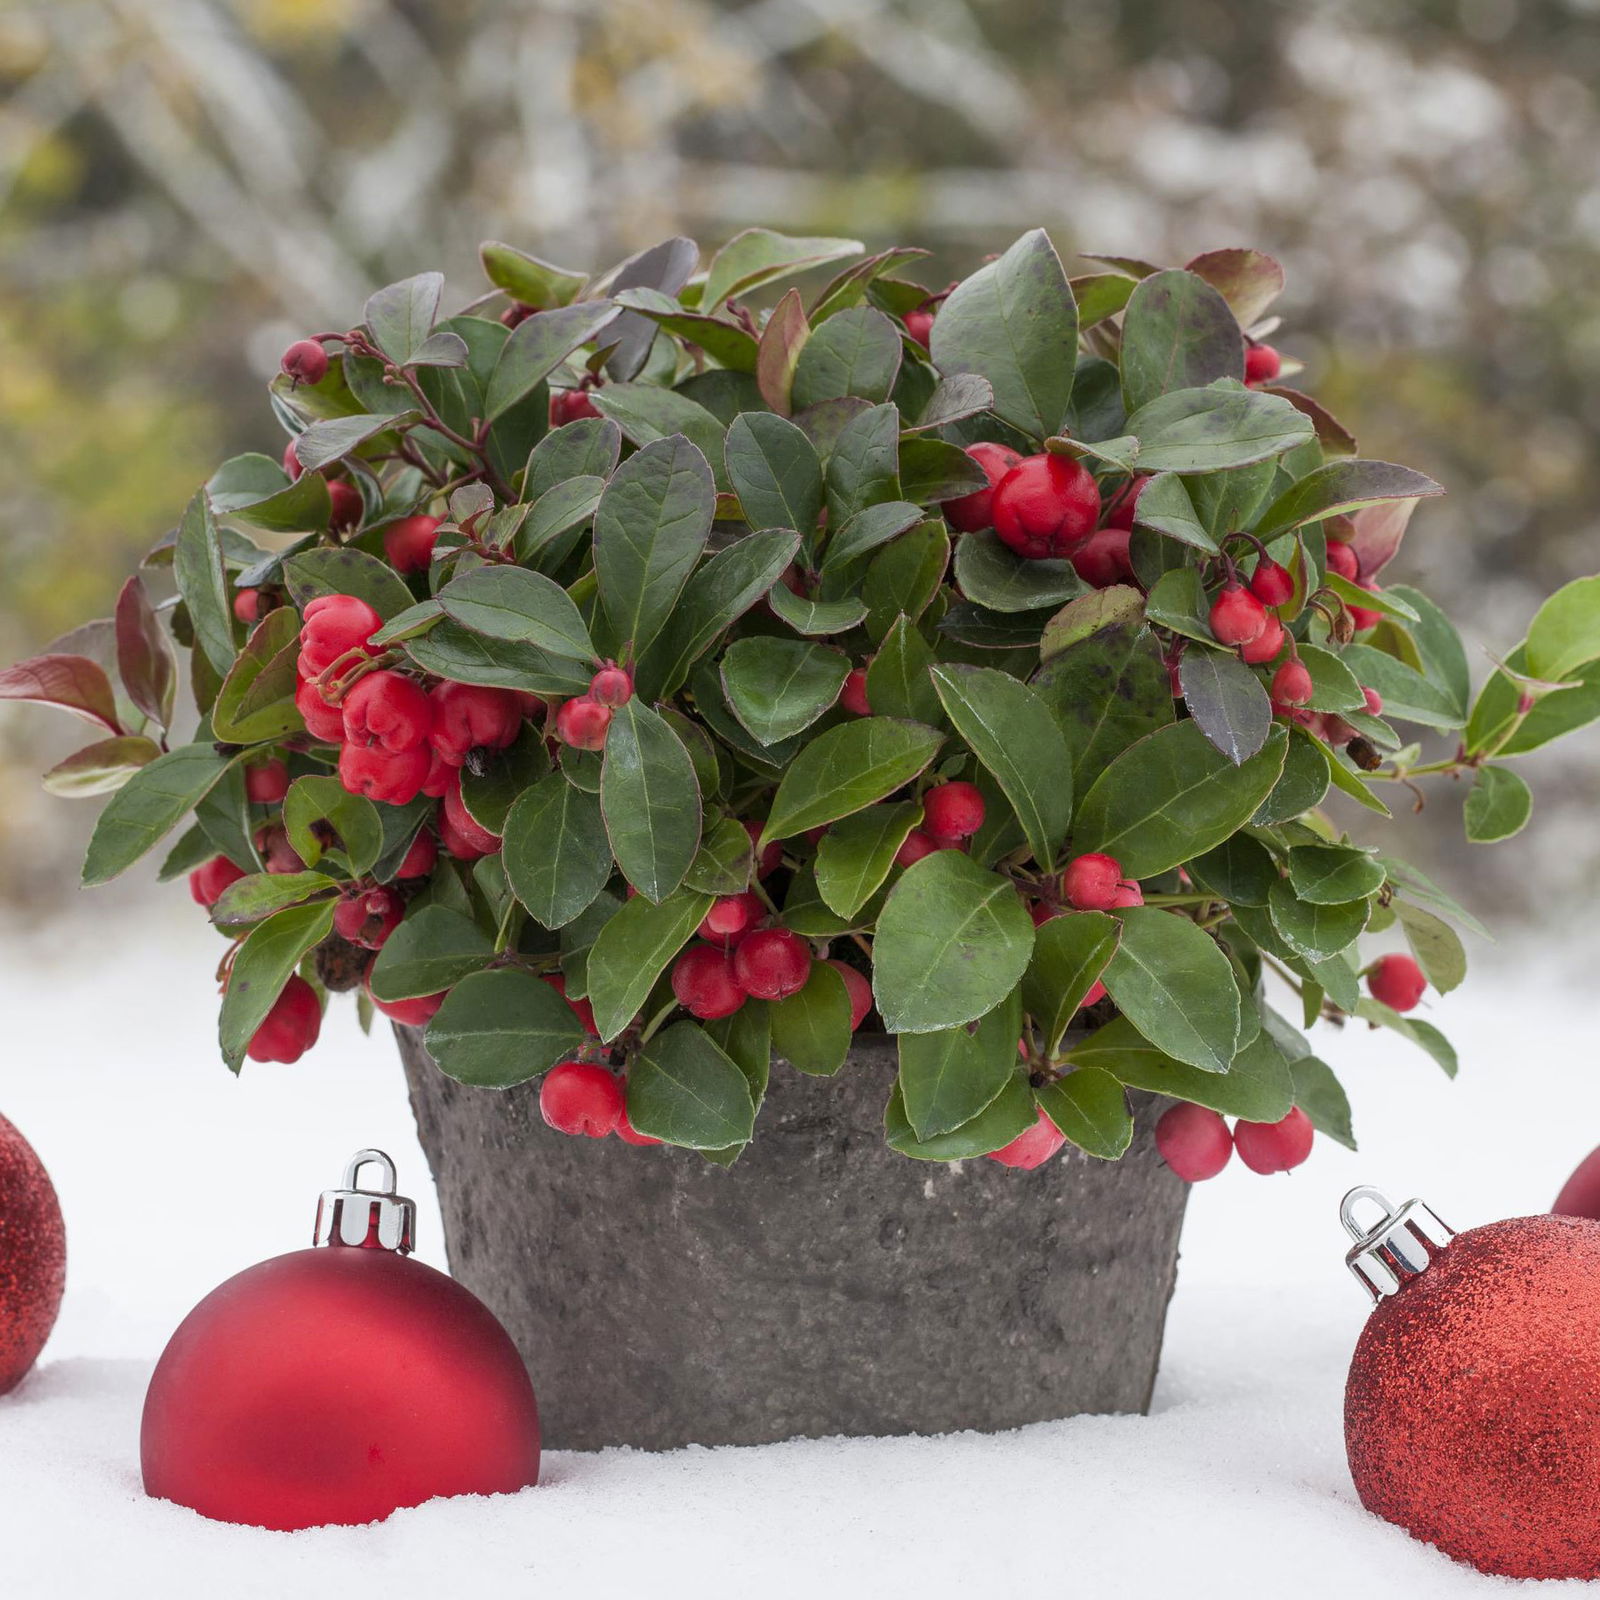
(823, 1285)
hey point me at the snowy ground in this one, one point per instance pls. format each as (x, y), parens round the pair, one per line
(173, 1176)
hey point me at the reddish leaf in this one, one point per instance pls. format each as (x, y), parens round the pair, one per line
(1378, 532)
(1336, 439)
(75, 683)
(1248, 280)
(778, 354)
(144, 662)
(101, 768)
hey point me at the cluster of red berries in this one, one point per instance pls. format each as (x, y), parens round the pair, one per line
(584, 721)
(1197, 1144)
(951, 814)
(738, 959)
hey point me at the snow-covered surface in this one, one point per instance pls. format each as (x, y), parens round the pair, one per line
(1236, 1485)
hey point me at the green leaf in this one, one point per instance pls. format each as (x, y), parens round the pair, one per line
(334, 570)
(1010, 1113)
(556, 853)
(523, 607)
(1166, 505)
(759, 256)
(1258, 1085)
(1171, 796)
(263, 965)
(498, 1029)
(631, 952)
(904, 578)
(725, 342)
(856, 853)
(1172, 981)
(1227, 702)
(1177, 333)
(1565, 632)
(1100, 295)
(254, 489)
(557, 511)
(1012, 732)
(322, 818)
(1070, 953)
(1210, 430)
(197, 567)
(587, 448)
(1407, 695)
(1435, 944)
(1015, 323)
(256, 700)
(1178, 601)
(725, 861)
(899, 683)
(650, 800)
(410, 623)
(778, 687)
(102, 767)
(527, 279)
(864, 466)
(947, 1078)
(1239, 870)
(952, 942)
(775, 472)
(962, 394)
(934, 470)
(1379, 600)
(453, 652)
(1444, 657)
(854, 352)
(431, 951)
(991, 575)
(401, 317)
(870, 527)
(1348, 781)
(537, 346)
(811, 1028)
(1312, 929)
(1330, 875)
(259, 895)
(1339, 487)
(146, 808)
(1090, 1107)
(1334, 686)
(1499, 805)
(815, 617)
(1321, 1096)
(1422, 1034)
(647, 413)
(686, 1090)
(746, 1038)
(845, 769)
(652, 524)
(491, 785)
(337, 437)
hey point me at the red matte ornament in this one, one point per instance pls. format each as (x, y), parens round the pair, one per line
(339, 1383)
(33, 1256)
(1472, 1409)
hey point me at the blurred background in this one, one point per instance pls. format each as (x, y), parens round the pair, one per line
(186, 185)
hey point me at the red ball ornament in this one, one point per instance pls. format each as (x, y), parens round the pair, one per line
(33, 1256)
(1472, 1410)
(339, 1383)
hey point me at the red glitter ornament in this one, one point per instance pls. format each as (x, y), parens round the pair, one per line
(1472, 1410)
(33, 1256)
(337, 1384)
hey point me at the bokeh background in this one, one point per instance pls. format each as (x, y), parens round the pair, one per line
(185, 185)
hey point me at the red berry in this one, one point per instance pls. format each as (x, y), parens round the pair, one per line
(859, 990)
(568, 405)
(459, 831)
(1128, 894)
(277, 854)
(1266, 644)
(247, 605)
(1104, 559)
(408, 543)
(1397, 982)
(1291, 684)
(420, 860)
(972, 512)
(290, 1027)
(291, 462)
(853, 696)
(305, 361)
(210, 878)
(266, 783)
(1097, 993)
(441, 774)
(704, 982)
(628, 1134)
(1267, 1147)
(772, 963)
(391, 710)
(1041, 913)
(393, 777)
(1033, 1148)
(731, 918)
(416, 1012)
(346, 506)
(517, 313)
(917, 845)
(1194, 1142)
(581, 1097)
(1343, 561)
(322, 721)
(611, 686)
(468, 717)
(334, 625)
(1272, 584)
(1046, 506)
(770, 859)
(581, 1009)
(1091, 882)
(1237, 616)
(1374, 701)
(582, 723)
(919, 324)
(1261, 363)
(1121, 514)
(952, 811)
(369, 917)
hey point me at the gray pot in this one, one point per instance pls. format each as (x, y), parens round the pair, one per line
(822, 1285)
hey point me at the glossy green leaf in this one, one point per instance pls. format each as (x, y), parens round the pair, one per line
(462, 656)
(811, 1029)
(863, 468)
(1327, 874)
(1435, 944)
(631, 951)
(1070, 953)
(846, 769)
(1227, 701)
(647, 413)
(1212, 429)
(725, 860)
(498, 1029)
(322, 818)
(1422, 1034)
(1177, 333)
(522, 607)
(197, 567)
(255, 490)
(1010, 1113)
(856, 853)
(537, 346)
(527, 279)
(947, 1078)
(760, 256)
(684, 1089)
(330, 569)
(400, 319)
(147, 808)
(431, 951)
(899, 683)
(262, 966)
(1498, 806)
(854, 352)
(261, 894)
(556, 853)
(1172, 981)
(1090, 1107)
(991, 575)
(256, 700)
(775, 471)
(650, 800)
(1314, 930)
(779, 687)
(1339, 487)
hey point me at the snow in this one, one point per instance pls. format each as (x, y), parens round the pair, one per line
(173, 1176)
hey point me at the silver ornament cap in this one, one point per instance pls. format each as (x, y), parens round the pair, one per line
(1393, 1250)
(379, 1219)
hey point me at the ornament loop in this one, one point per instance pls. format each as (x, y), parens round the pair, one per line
(1397, 1247)
(378, 1219)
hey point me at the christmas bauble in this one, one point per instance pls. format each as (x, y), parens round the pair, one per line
(33, 1256)
(336, 1384)
(1472, 1410)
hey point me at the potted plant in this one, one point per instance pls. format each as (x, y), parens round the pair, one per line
(832, 743)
